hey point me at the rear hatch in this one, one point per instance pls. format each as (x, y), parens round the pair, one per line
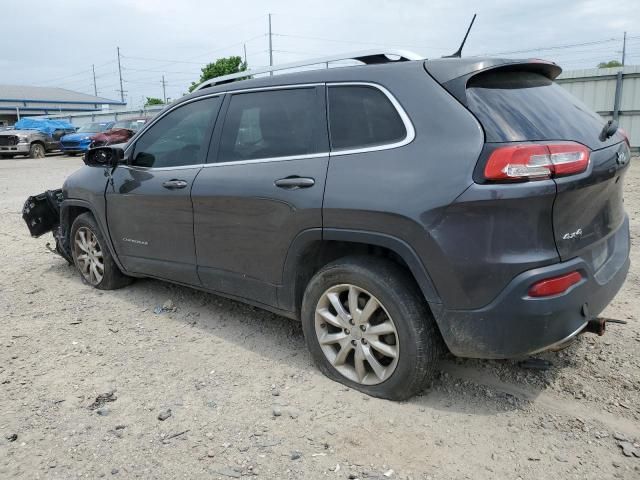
(520, 104)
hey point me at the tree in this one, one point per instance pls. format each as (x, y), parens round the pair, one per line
(153, 101)
(609, 64)
(222, 66)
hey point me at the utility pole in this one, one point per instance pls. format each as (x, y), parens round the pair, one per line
(120, 74)
(270, 46)
(95, 88)
(624, 47)
(244, 46)
(164, 91)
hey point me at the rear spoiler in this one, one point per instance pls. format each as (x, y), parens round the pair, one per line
(454, 73)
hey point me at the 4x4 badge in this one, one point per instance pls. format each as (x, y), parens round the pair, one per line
(576, 234)
(622, 157)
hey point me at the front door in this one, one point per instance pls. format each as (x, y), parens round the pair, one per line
(149, 209)
(263, 188)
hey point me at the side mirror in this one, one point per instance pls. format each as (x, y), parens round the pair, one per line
(104, 157)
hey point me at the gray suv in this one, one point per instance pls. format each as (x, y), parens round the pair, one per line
(398, 209)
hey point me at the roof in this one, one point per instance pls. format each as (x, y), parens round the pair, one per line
(49, 94)
(42, 100)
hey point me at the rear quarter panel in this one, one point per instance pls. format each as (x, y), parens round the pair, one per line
(403, 192)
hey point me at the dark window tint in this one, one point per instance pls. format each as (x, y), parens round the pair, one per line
(274, 123)
(517, 106)
(361, 116)
(178, 138)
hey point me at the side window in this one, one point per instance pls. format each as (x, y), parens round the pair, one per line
(267, 124)
(178, 138)
(361, 116)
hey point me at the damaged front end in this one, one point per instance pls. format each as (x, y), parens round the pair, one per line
(41, 213)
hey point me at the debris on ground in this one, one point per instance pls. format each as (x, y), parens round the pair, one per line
(164, 414)
(102, 399)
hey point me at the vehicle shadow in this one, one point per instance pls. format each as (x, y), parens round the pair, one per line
(465, 385)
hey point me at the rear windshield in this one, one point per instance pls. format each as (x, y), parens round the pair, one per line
(518, 106)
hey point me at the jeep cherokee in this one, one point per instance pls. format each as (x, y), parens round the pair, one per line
(396, 208)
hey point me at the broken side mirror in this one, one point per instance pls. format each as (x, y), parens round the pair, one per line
(104, 157)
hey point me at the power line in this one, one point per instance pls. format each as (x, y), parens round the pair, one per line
(553, 47)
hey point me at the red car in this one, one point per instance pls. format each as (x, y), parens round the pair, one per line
(121, 132)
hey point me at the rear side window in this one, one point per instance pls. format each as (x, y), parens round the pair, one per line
(362, 116)
(268, 124)
(519, 106)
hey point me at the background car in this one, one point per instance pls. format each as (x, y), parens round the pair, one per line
(33, 137)
(80, 141)
(121, 132)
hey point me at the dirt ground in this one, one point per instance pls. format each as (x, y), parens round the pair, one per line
(246, 401)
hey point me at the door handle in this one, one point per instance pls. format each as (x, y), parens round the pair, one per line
(174, 184)
(295, 182)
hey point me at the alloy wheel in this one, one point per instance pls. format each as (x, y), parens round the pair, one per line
(88, 255)
(356, 334)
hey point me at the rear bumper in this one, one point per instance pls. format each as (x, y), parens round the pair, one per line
(515, 324)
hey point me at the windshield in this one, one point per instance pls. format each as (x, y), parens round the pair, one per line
(129, 124)
(527, 106)
(94, 127)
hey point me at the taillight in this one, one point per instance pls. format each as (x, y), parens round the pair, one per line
(554, 285)
(536, 161)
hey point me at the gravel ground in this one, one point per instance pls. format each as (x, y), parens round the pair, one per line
(86, 377)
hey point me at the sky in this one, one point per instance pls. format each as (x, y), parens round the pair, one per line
(176, 38)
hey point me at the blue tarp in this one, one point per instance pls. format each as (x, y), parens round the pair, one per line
(42, 125)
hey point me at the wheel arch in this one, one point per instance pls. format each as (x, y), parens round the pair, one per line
(70, 209)
(314, 248)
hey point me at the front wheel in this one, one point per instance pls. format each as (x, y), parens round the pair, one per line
(91, 255)
(368, 326)
(36, 150)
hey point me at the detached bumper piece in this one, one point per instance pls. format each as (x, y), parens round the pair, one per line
(41, 213)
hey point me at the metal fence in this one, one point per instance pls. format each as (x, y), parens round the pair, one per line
(80, 119)
(596, 87)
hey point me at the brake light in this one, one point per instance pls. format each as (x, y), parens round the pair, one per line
(536, 161)
(554, 285)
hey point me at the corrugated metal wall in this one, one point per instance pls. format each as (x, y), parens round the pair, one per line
(596, 87)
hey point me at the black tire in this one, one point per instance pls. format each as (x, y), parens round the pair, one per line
(112, 278)
(419, 340)
(37, 150)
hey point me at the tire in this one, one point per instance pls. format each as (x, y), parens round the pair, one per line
(416, 341)
(85, 237)
(37, 150)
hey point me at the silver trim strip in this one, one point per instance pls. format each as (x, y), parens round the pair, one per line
(366, 56)
(560, 342)
(410, 136)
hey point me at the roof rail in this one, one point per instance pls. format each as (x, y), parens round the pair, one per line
(367, 57)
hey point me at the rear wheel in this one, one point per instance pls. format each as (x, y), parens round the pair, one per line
(368, 327)
(91, 255)
(36, 150)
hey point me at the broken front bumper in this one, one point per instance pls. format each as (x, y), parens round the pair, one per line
(41, 213)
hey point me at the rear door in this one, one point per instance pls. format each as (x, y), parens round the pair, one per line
(525, 106)
(149, 209)
(263, 185)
